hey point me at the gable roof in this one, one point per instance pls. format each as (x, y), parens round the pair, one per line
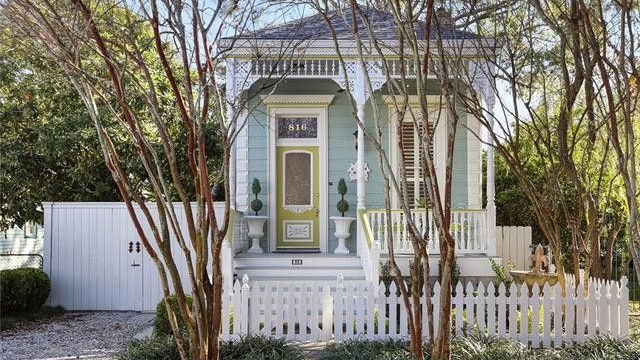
(383, 25)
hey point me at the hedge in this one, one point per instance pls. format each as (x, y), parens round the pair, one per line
(23, 290)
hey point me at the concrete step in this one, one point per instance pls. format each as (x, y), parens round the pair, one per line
(298, 267)
(305, 280)
(299, 271)
(320, 260)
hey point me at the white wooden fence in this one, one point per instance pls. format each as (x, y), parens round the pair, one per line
(513, 244)
(318, 311)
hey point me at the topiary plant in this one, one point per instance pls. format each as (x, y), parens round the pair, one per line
(342, 205)
(256, 204)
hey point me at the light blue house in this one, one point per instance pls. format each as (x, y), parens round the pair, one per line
(301, 138)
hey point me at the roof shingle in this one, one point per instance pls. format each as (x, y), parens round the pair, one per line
(383, 25)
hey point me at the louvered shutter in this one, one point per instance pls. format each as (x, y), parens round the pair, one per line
(412, 159)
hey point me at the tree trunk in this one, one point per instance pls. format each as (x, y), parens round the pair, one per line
(442, 343)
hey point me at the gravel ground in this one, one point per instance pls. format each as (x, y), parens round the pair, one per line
(89, 334)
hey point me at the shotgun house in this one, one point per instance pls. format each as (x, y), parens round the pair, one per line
(299, 138)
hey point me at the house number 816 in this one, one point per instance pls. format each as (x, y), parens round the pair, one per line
(297, 127)
(296, 262)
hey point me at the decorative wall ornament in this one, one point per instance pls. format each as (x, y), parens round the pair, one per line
(353, 171)
(297, 209)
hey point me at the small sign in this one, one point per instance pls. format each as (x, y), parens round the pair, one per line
(297, 127)
(296, 262)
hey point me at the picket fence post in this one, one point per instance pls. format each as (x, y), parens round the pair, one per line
(244, 306)
(381, 302)
(480, 308)
(513, 311)
(624, 307)
(339, 310)
(591, 306)
(392, 300)
(327, 313)
(237, 308)
(469, 301)
(457, 303)
(535, 315)
(524, 314)
(491, 309)
(502, 325)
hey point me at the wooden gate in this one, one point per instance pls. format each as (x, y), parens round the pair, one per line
(95, 260)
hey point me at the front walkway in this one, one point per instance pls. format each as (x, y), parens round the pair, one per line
(74, 335)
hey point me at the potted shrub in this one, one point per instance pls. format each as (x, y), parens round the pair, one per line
(343, 223)
(256, 222)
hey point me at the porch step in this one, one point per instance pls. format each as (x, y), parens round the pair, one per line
(298, 267)
(306, 280)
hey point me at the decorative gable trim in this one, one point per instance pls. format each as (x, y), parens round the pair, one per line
(293, 99)
(432, 100)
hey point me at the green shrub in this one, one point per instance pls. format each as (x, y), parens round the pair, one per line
(597, 348)
(487, 347)
(162, 326)
(23, 290)
(252, 347)
(259, 347)
(358, 349)
(151, 348)
(503, 275)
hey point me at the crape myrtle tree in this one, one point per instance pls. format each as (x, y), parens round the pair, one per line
(417, 61)
(161, 57)
(566, 75)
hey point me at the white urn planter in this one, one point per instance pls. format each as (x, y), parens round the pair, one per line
(256, 232)
(342, 232)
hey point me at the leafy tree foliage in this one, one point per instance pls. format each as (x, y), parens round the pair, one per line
(49, 150)
(48, 147)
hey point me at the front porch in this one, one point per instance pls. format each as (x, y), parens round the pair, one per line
(313, 97)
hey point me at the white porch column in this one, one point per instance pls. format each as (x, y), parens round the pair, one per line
(491, 189)
(231, 97)
(232, 168)
(361, 195)
(483, 82)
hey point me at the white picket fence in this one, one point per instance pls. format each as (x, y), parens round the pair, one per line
(340, 311)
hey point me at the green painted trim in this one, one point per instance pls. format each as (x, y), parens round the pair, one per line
(366, 226)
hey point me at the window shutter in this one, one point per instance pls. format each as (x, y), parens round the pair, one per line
(412, 155)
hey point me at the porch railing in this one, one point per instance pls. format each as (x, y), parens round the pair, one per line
(468, 228)
(368, 250)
